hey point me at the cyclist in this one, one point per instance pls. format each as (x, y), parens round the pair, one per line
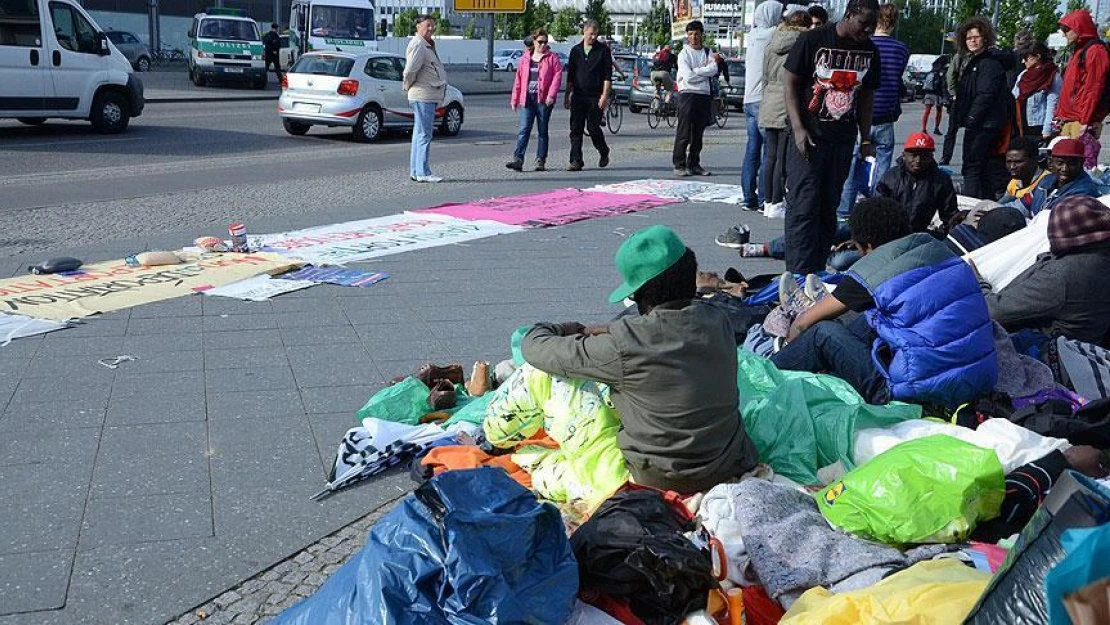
(662, 65)
(715, 85)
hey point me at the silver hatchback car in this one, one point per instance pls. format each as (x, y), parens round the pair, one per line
(361, 91)
(137, 52)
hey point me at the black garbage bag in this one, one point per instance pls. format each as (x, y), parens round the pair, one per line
(1016, 594)
(633, 549)
(470, 546)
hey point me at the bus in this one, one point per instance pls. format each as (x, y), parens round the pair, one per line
(346, 25)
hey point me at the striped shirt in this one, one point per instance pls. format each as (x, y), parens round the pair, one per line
(893, 56)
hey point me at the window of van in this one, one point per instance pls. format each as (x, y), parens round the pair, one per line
(232, 30)
(72, 30)
(342, 22)
(19, 23)
(323, 65)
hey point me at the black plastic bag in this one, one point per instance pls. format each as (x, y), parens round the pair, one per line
(1016, 594)
(633, 549)
(1090, 425)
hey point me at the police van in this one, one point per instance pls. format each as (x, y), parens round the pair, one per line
(55, 62)
(340, 25)
(225, 45)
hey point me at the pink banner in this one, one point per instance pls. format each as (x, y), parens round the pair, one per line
(551, 208)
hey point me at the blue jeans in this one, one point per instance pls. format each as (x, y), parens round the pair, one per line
(424, 117)
(750, 179)
(539, 114)
(840, 349)
(882, 139)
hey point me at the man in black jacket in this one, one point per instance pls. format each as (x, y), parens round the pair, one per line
(918, 184)
(272, 43)
(589, 84)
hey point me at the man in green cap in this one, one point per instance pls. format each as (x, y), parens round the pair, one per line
(672, 369)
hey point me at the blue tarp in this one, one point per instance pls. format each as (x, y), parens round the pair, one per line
(470, 547)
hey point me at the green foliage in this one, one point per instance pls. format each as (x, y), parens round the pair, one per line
(1075, 5)
(656, 27)
(443, 25)
(470, 31)
(543, 16)
(595, 10)
(1047, 18)
(710, 41)
(1011, 18)
(920, 29)
(963, 9)
(404, 25)
(566, 23)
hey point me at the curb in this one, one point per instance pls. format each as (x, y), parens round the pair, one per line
(263, 98)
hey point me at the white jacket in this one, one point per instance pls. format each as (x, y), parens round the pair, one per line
(425, 78)
(695, 69)
(764, 22)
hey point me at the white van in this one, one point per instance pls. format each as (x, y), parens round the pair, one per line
(339, 25)
(224, 44)
(56, 62)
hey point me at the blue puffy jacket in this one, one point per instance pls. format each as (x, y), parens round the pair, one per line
(935, 340)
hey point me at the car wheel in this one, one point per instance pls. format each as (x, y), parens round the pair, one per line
(295, 128)
(143, 64)
(369, 126)
(32, 121)
(198, 78)
(452, 120)
(110, 113)
(632, 108)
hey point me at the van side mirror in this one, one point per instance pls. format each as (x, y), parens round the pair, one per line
(102, 48)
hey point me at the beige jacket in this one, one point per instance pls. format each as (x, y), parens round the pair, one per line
(772, 110)
(425, 78)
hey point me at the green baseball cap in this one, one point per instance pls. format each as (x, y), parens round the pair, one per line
(646, 254)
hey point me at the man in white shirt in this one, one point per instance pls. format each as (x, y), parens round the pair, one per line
(696, 67)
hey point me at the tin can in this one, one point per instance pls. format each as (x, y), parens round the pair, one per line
(238, 234)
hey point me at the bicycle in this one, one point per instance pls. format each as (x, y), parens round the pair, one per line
(167, 56)
(661, 108)
(720, 109)
(613, 115)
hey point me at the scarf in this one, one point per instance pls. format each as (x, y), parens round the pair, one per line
(1036, 79)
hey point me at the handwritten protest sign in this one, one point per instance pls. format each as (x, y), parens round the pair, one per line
(114, 285)
(352, 241)
(551, 208)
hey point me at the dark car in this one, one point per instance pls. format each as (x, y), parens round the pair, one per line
(623, 73)
(734, 90)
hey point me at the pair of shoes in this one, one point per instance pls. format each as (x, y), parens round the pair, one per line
(753, 250)
(576, 166)
(603, 161)
(443, 396)
(430, 374)
(793, 301)
(428, 178)
(735, 237)
(516, 164)
(479, 383)
(699, 171)
(814, 288)
(541, 164)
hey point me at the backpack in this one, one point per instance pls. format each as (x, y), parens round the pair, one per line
(1104, 97)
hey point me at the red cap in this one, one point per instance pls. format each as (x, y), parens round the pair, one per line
(1068, 148)
(920, 141)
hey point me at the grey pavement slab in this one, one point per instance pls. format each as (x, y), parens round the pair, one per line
(159, 408)
(152, 459)
(147, 518)
(254, 406)
(34, 581)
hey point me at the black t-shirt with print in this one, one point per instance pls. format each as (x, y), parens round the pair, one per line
(833, 70)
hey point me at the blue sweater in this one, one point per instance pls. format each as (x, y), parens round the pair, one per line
(893, 56)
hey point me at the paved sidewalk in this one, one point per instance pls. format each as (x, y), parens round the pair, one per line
(173, 85)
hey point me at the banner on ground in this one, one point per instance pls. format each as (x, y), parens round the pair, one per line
(352, 241)
(677, 190)
(113, 285)
(336, 275)
(259, 288)
(551, 208)
(18, 326)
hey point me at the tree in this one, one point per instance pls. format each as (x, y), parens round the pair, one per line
(1047, 18)
(920, 28)
(595, 10)
(443, 25)
(543, 16)
(1075, 5)
(470, 31)
(1011, 18)
(963, 9)
(566, 23)
(656, 26)
(404, 25)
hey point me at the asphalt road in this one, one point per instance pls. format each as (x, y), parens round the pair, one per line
(183, 166)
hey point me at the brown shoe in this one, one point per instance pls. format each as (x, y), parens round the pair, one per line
(429, 374)
(541, 164)
(442, 396)
(479, 379)
(576, 166)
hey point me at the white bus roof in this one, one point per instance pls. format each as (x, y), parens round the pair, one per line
(358, 4)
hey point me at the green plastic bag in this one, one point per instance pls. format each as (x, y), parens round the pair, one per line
(802, 421)
(472, 411)
(404, 402)
(928, 490)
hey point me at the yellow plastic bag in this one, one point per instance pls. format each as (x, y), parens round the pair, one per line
(934, 592)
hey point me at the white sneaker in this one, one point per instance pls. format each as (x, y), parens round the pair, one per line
(774, 211)
(428, 179)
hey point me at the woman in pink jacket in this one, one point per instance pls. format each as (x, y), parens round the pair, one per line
(538, 79)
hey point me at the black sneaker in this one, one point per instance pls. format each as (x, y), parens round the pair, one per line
(516, 164)
(603, 161)
(575, 166)
(735, 237)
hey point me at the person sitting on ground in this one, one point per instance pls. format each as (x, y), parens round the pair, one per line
(918, 184)
(1068, 178)
(672, 369)
(1023, 162)
(925, 336)
(1064, 292)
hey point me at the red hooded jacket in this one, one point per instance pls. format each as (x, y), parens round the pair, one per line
(1083, 84)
